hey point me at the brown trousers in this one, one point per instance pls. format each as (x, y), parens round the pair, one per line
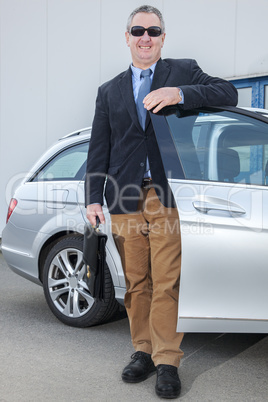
(150, 248)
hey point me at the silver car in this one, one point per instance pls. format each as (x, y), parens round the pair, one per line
(216, 160)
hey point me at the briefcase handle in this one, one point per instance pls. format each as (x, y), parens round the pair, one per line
(97, 222)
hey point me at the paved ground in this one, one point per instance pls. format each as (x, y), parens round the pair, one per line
(44, 360)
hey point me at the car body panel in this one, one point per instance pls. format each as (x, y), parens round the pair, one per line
(21, 249)
(223, 275)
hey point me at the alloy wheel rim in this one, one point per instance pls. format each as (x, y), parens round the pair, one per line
(67, 287)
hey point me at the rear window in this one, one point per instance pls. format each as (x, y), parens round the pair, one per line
(69, 164)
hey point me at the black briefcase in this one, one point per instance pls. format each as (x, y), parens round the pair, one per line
(94, 257)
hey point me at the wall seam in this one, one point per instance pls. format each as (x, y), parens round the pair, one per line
(235, 41)
(1, 33)
(46, 77)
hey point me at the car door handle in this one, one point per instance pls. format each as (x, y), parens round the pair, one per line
(205, 207)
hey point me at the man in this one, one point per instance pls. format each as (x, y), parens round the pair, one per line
(124, 150)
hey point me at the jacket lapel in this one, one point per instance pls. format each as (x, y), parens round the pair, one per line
(162, 71)
(126, 89)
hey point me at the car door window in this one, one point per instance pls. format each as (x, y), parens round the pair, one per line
(70, 164)
(221, 146)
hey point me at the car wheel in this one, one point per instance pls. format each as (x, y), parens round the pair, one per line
(66, 291)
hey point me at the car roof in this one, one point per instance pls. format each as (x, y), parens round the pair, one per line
(263, 112)
(82, 132)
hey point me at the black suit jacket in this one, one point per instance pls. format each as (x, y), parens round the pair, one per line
(119, 146)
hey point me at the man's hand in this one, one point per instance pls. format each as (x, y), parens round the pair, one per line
(94, 210)
(162, 97)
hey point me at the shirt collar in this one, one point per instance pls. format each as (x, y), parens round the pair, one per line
(137, 71)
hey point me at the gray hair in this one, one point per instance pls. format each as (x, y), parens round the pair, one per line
(146, 9)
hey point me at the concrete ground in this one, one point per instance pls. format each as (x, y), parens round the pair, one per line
(43, 360)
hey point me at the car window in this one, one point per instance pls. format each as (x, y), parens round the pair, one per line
(221, 146)
(70, 164)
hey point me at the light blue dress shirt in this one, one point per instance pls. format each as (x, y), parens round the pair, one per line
(137, 79)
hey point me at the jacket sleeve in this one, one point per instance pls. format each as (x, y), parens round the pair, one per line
(98, 153)
(205, 90)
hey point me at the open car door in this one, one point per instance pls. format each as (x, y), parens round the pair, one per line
(216, 163)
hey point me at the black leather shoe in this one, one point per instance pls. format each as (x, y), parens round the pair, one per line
(168, 384)
(139, 368)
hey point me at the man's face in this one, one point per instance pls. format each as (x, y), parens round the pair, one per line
(145, 50)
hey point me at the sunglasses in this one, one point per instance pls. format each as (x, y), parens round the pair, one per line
(140, 31)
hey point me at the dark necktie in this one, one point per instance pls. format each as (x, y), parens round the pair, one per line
(143, 91)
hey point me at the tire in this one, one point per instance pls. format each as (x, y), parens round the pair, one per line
(66, 291)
